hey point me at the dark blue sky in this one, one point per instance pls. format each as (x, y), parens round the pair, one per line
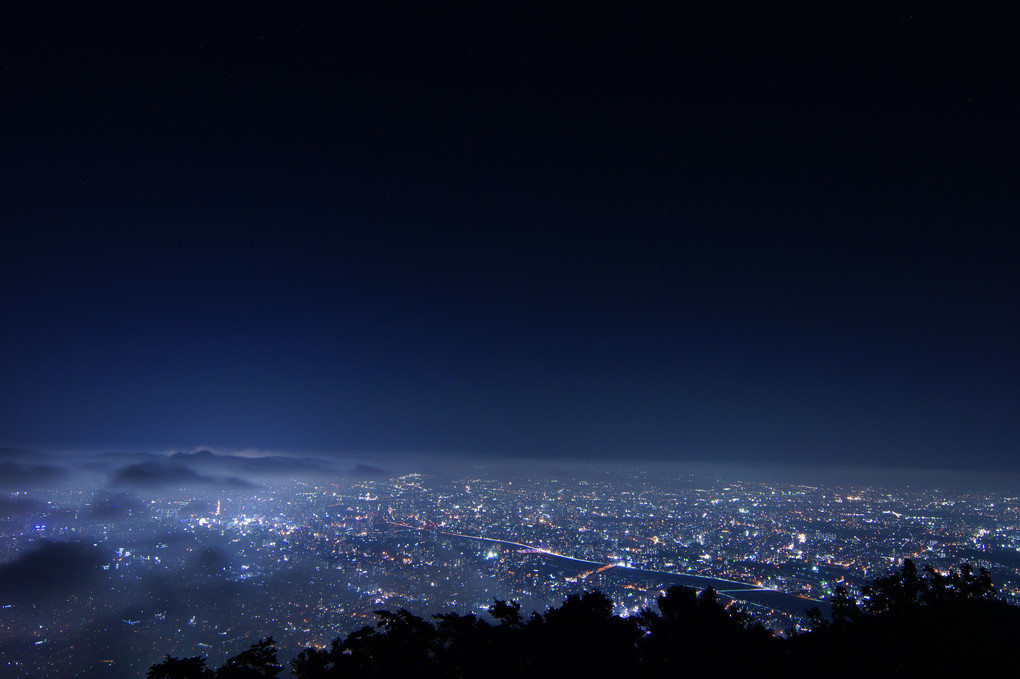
(771, 237)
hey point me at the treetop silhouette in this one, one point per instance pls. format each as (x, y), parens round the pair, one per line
(913, 619)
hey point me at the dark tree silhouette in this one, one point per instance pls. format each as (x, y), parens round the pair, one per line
(581, 638)
(255, 663)
(915, 620)
(693, 630)
(907, 590)
(319, 663)
(921, 621)
(180, 668)
(507, 613)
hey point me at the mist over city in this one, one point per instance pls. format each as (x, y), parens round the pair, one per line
(112, 560)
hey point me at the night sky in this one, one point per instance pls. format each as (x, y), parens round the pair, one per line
(777, 236)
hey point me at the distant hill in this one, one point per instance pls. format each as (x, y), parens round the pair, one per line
(156, 475)
(263, 466)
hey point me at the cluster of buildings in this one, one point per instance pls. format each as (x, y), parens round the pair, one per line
(209, 573)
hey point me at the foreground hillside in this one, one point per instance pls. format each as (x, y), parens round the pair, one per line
(922, 622)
